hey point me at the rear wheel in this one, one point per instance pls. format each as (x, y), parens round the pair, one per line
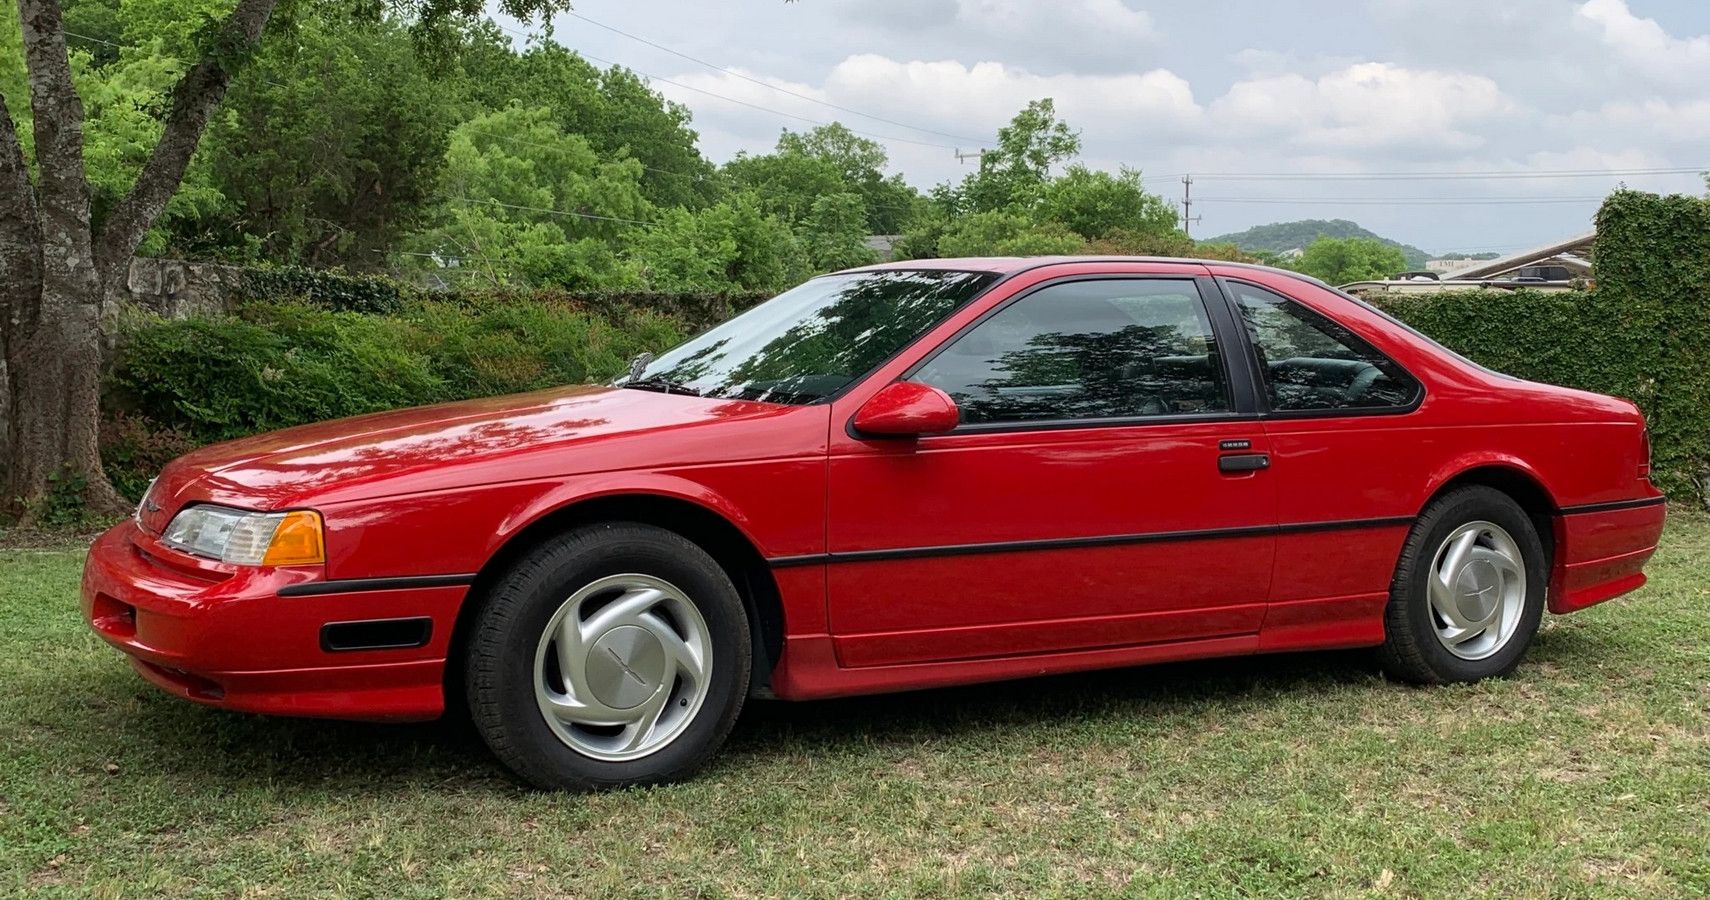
(611, 655)
(1468, 592)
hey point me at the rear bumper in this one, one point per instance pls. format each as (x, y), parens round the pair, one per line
(223, 637)
(1602, 553)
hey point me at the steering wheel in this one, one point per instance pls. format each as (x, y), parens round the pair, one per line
(1361, 383)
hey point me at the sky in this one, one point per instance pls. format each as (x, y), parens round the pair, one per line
(1220, 88)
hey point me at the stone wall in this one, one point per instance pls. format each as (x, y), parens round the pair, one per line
(178, 289)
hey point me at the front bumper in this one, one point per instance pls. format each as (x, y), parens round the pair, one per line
(222, 636)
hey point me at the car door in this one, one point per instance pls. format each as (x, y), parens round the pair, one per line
(1340, 417)
(1107, 486)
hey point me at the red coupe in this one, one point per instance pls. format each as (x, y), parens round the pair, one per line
(896, 477)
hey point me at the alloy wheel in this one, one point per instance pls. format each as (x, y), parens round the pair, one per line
(622, 667)
(1477, 590)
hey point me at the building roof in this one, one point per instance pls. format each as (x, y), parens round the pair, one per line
(1577, 248)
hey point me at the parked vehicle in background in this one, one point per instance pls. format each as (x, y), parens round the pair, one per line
(897, 477)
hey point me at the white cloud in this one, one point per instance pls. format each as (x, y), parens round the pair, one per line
(1046, 35)
(1649, 122)
(985, 95)
(1644, 46)
(1364, 105)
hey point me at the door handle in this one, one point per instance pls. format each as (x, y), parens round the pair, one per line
(1243, 462)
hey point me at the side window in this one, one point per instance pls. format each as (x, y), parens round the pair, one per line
(1086, 350)
(1310, 362)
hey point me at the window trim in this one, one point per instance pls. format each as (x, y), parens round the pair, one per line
(1239, 391)
(1258, 375)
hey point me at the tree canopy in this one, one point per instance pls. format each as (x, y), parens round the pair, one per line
(433, 144)
(1344, 260)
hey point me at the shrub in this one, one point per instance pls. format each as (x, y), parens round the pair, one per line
(180, 383)
(323, 287)
(135, 449)
(277, 365)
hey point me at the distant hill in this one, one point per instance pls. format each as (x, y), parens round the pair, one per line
(1281, 236)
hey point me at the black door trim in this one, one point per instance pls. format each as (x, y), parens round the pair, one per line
(353, 585)
(1613, 506)
(813, 559)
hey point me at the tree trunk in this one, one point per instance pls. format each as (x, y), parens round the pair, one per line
(56, 391)
(56, 271)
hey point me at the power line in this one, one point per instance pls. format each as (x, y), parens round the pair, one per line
(770, 86)
(92, 40)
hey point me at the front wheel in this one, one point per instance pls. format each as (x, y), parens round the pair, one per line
(611, 655)
(1468, 592)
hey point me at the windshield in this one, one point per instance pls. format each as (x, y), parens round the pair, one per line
(806, 344)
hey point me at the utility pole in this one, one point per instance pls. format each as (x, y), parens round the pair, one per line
(1188, 218)
(964, 157)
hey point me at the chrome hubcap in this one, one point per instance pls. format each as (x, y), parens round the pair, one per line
(622, 667)
(1477, 590)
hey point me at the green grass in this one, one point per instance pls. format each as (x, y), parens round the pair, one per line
(1585, 774)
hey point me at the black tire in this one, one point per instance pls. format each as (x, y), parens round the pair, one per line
(500, 662)
(1411, 649)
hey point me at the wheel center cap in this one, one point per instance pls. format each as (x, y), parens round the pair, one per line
(625, 666)
(1479, 588)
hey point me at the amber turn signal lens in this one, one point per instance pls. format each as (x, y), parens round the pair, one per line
(297, 541)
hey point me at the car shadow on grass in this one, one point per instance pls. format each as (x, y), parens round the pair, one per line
(170, 736)
(167, 736)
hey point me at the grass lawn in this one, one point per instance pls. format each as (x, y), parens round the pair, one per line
(1586, 774)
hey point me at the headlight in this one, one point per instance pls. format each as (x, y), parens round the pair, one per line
(248, 538)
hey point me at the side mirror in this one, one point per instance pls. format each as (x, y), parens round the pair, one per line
(906, 409)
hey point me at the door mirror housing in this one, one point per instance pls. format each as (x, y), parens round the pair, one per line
(907, 409)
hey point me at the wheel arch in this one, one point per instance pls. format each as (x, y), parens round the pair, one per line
(713, 531)
(1517, 480)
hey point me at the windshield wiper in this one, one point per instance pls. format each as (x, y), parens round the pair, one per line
(661, 384)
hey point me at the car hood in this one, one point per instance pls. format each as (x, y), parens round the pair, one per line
(490, 440)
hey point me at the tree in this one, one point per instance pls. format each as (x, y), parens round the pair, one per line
(523, 202)
(732, 245)
(1014, 172)
(1007, 233)
(59, 262)
(890, 202)
(1344, 260)
(328, 148)
(614, 109)
(834, 231)
(1094, 204)
(785, 183)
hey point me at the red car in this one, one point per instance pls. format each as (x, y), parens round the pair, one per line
(896, 477)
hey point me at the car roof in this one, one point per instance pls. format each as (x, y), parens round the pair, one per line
(1009, 265)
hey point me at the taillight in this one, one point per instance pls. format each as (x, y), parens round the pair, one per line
(1645, 447)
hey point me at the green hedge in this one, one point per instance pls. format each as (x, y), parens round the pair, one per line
(1643, 331)
(179, 384)
(341, 292)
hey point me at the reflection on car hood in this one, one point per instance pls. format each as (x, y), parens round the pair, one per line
(456, 444)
